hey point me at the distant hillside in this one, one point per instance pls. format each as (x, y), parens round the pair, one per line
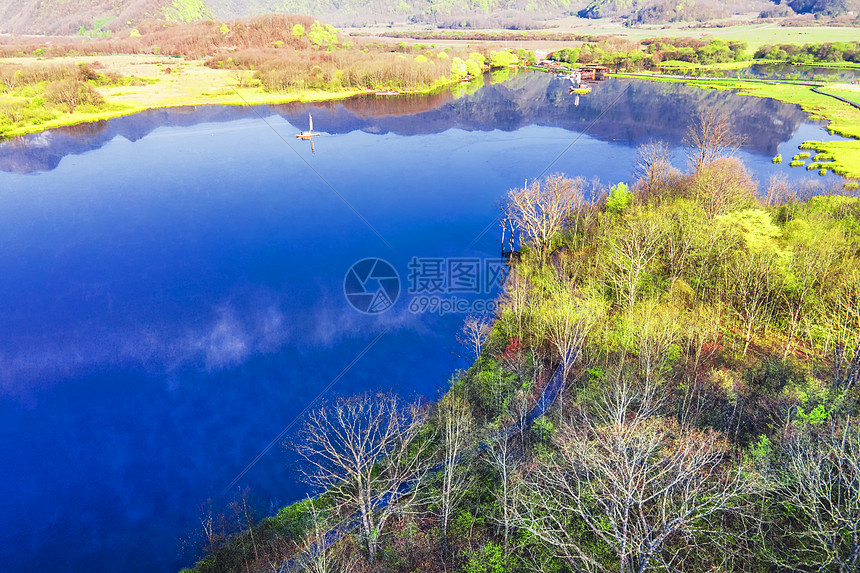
(96, 18)
(828, 7)
(502, 13)
(105, 17)
(656, 11)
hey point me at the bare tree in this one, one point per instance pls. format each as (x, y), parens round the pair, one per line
(750, 291)
(540, 210)
(319, 553)
(639, 486)
(779, 191)
(681, 237)
(503, 459)
(216, 528)
(456, 428)
(808, 268)
(566, 316)
(475, 333)
(650, 330)
(516, 296)
(632, 248)
(723, 185)
(653, 169)
(840, 315)
(710, 136)
(366, 453)
(821, 482)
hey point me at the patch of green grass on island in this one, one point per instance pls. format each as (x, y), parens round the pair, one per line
(846, 156)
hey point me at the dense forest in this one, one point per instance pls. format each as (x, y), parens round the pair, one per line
(700, 346)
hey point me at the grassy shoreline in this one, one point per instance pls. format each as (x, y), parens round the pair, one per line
(245, 97)
(180, 83)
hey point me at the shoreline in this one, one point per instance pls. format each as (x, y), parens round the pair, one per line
(179, 83)
(235, 100)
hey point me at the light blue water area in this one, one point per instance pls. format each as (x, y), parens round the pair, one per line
(171, 286)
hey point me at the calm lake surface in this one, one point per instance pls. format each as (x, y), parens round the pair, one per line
(171, 285)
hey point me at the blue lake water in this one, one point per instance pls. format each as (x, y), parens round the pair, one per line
(171, 285)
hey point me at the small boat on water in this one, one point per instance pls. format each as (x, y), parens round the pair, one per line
(582, 90)
(310, 132)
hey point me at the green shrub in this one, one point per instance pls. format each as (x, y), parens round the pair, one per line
(619, 198)
(543, 429)
(473, 68)
(490, 559)
(293, 520)
(502, 59)
(322, 34)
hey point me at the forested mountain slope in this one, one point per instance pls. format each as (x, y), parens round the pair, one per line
(102, 17)
(95, 18)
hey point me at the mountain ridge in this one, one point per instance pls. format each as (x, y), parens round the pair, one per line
(106, 17)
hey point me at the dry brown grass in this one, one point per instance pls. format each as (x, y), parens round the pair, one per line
(283, 70)
(196, 40)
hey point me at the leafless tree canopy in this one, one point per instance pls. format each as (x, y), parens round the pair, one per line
(723, 185)
(821, 482)
(633, 247)
(653, 170)
(456, 432)
(475, 332)
(710, 136)
(641, 486)
(318, 556)
(540, 210)
(363, 451)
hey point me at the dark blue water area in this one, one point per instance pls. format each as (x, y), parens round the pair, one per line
(171, 286)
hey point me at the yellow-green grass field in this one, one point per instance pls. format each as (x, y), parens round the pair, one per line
(180, 82)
